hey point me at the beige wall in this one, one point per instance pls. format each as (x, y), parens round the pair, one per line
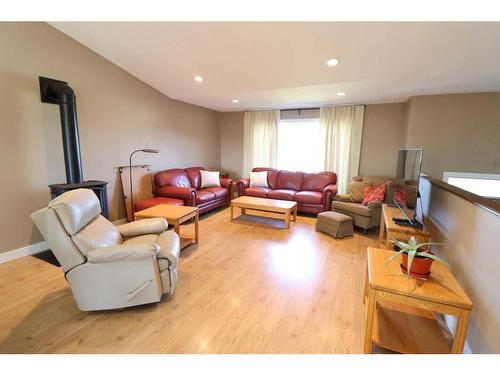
(472, 238)
(457, 132)
(384, 133)
(231, 143)
(117, 113)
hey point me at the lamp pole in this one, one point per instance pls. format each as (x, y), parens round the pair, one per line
(149, 151)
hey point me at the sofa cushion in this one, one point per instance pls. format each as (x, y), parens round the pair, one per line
(203, 196)
(309, 197)
(172, 177)
(357, 190)
(352, 208)
(290, 180)
(194, 176)
(76, 208)
(219, 192)
(210, 178)
(284, 194)
(151, 202)
(374, 194)
(318, 181)
(98, 233)
(258, 179)
(260, 192)
(272, 176)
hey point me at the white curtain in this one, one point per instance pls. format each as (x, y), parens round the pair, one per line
(260, 140)
(341, 130)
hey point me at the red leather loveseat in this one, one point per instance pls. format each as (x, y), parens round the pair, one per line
(313, 192)
(185, 185)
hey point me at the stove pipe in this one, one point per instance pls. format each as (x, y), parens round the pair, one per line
(58, 92)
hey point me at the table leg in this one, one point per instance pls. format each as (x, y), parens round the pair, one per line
(177, 227)
(367, 287)
(243, 211)
(287, 219)
(196, 221)
(232, 211)
(461, 332)
(370, 314)
(295, 214)
(382, 231)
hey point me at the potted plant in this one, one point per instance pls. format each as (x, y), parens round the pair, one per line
(416, 257)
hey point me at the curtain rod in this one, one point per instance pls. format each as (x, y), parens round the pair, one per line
(298, 109)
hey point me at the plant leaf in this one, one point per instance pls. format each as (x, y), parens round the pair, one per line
(392, 257)
(411, 255)
(430, 243)
(401, 245)
(432, 256)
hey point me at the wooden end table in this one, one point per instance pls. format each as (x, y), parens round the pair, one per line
(391, 231)
(401, 309)
(175, 215)
(285, 209)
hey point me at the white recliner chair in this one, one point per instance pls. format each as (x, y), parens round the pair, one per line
(107, 266)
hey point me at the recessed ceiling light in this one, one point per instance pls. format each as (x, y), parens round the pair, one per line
(235, 101)
(341, 93)
(332, 62)
(198, 78)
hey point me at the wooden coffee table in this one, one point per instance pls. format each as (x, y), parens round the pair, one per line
(175, 215)
(285, 209)
(401, 310)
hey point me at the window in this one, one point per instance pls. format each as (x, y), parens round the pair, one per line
(484, 185)
(299, 145)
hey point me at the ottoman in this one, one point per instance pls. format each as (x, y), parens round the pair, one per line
(335, 224)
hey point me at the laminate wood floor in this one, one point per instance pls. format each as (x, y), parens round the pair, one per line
(248, 287)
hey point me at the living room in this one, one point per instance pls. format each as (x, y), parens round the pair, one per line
(252, 160)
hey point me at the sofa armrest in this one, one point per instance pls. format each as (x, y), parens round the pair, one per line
(226, 183)
(187, 194)
(242, 184)
(329, 193)
(155, 225)
(109, 254)
(343, 198)
(374, 205)
(169, 244)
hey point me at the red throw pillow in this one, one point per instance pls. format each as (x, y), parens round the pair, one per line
(400, 196)
(374, 194)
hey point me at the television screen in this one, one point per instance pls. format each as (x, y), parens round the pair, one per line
(407, 175)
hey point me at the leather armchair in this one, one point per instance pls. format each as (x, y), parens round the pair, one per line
(107, 266)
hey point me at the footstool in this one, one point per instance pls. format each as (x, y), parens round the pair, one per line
(335, 224)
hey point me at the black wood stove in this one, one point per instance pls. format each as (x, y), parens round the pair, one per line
(58, 92)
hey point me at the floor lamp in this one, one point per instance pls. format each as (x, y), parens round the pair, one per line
(149, 151)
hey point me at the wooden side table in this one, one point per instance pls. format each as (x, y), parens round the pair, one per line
(390, 231)
(400, 309)
(175, 215)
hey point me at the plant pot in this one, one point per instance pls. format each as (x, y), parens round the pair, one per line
(420, 267)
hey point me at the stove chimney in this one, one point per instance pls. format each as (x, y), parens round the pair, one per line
(58, 92)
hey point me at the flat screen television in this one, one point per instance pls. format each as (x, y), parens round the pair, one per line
(407, 178)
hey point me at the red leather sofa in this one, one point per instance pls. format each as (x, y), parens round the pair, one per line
(313, 192)
(185, 185)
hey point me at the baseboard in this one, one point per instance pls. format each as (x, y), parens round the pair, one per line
(24, 251)
(451, 322)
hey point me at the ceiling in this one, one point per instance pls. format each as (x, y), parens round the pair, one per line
(283, 64)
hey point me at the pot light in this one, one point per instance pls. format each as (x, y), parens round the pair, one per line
(332, 62)
(198, 78)
(235, 101)
(341, 93)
